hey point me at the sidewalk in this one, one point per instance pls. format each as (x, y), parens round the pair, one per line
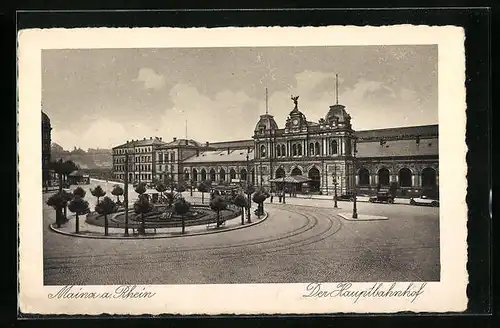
(91, 231)
(358, 198)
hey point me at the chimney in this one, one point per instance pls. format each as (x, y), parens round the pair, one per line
(175, 139)
(197, 152)
(186, 142)
(228, 150)
(143, 138)
(160, 138)
(206, 144)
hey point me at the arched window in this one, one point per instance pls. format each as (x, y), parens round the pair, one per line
(363, 177)
(294, 150)
(428, 177)
(296, 171)
(283, 150)
(262, 151)
(299, 149)
(232, 174)
(383, 177)
(311, 149)
(203, 175)
(278, 150)
(243, 174)
(186, 175)
(222, 174)
(280, 173)
(212, 175)
(333, 147)
(195, 175)
(405, 177)
(317, 149)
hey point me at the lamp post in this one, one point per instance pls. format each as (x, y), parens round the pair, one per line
(354, 208)
(248, 194)
(335, 186)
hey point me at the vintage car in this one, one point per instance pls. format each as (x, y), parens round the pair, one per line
(424, 200)
(348, 196)
(382, 197)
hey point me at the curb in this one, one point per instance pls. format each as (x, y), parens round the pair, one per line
(376, 218)
(165, 236)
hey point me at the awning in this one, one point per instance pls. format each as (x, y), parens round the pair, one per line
(151, 192)
(76, 173)
(292, 179)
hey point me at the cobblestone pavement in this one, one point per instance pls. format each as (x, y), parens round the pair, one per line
(298, 243)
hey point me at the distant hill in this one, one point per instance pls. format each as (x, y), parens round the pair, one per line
(90, 159)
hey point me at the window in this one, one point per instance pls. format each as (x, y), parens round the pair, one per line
(243, 174)
(283, 150)
(317, 149)
(294, 150)
(333, 147)
(278, 150)
(311, 149)
(232, 174)
(299, 149)
(222, 174)
(429, 177)
(383, 177)
(262, 151)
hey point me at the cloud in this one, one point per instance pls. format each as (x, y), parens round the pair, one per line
(150, 78)
(101, 133)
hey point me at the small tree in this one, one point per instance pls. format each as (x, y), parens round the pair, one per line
(218, 204)
(106, 207)
(259, 198)
(241, 201)
(181, 207)
(117, 191)
(68, 167)
(79, 206)
(142, 206)
(58, 202)
(140, 188)
(79, 192)
(203, 188)
(98, 193)
(67, 197)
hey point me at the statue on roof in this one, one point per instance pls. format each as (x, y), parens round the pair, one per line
(295, 100)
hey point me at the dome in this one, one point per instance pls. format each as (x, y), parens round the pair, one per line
(45, 119)
(338, 115)
(266, 122)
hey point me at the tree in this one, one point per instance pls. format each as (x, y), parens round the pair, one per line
(98, 193)
(140, 188)
(117, 191)
(57, 166)
(142, 206)
(106, 207)
(68, 167)
(203, 188)
(79, 206)
(181, 207)
(161, 188)
(259, 198)
(67, 197)
(218, 204)
(58, 202)
(79, 192)
(241, 201)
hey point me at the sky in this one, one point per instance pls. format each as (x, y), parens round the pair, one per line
(99, 98)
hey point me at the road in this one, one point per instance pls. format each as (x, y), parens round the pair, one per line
(302, 241)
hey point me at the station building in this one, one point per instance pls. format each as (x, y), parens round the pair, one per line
(329, 153)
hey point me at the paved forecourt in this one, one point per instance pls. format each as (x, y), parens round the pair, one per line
(299, 242)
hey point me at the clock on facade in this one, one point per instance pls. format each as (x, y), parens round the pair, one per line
(295, 121)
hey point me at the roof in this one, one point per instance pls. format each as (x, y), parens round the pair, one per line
(238, 144)
(217, 156)
(78, 173)
(144, 142)
(393, 148)
(181, 142)
(399, 133)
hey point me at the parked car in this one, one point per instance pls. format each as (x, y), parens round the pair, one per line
(424, 200)
(348, 196)
(382, 197)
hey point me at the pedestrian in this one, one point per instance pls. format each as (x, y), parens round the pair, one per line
(272, 196)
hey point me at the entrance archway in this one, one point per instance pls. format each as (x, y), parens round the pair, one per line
(383, 177)
(404, 177)
(363, 177)
(428, 177)
(315, 176)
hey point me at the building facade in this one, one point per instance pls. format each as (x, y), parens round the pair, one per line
(328, 152)
(46, 150)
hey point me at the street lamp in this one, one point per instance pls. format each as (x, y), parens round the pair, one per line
(248, 189)
(354, 209)
(125, 193)
(335, 186)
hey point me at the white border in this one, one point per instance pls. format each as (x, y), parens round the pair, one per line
(447, 295)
